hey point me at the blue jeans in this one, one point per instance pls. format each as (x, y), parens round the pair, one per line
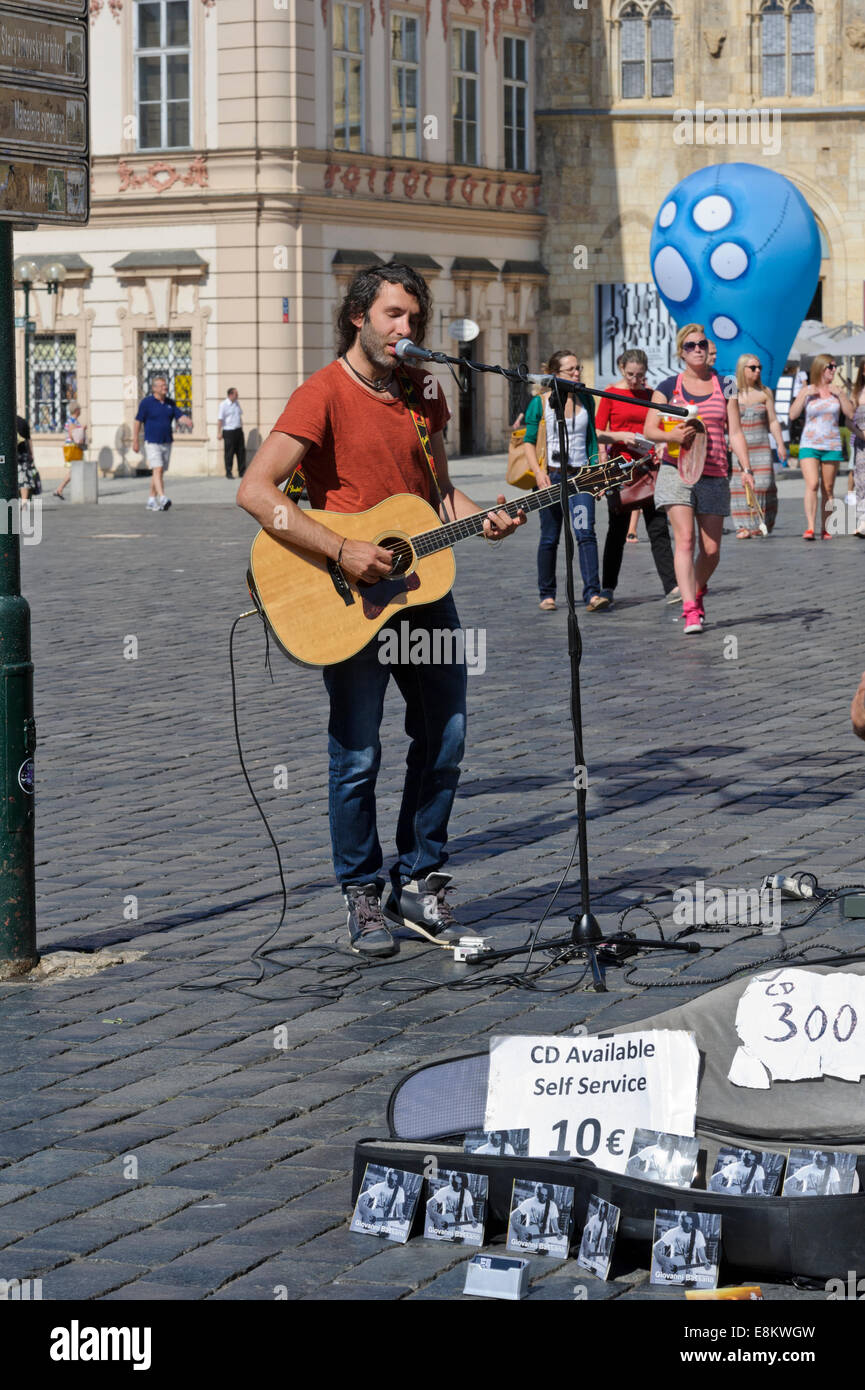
(583, 522)
(435, 722)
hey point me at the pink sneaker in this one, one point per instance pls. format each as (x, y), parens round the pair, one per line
(699, 605)
(692, 617)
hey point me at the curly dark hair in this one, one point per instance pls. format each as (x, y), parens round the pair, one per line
(363, 291)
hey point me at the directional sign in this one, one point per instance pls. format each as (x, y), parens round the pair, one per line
(55, 191)
(67, 7)
(31, 118)
(53, 50)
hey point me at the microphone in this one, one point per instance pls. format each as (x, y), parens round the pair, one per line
(406, 350)
(791, 887)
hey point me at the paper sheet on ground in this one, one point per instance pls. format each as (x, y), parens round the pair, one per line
(795, 1025)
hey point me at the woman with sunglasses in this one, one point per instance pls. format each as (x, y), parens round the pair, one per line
(708, 499)
(540, 414)
(820, 449)
(757, 414)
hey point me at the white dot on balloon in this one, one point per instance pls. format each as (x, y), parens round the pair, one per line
(729, 261)
(672, 275)
(712, 213)
(723, 327)
(667, 214)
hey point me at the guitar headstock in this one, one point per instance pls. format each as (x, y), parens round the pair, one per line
(605, 475)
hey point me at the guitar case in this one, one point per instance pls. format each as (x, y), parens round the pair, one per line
(814, 1238)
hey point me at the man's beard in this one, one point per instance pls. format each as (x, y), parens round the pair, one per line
(373, 346)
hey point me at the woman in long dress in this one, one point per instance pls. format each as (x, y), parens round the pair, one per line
(757, 414)
(857, 430)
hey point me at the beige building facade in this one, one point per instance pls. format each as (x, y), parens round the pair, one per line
(248, 156)
(618, 82)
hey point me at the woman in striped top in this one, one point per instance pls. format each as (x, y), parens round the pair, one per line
(708, 499)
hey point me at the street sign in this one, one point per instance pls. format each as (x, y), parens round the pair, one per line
(31, 118)
(46, 191)
(67, 7)
(51, 50)
(44, 126)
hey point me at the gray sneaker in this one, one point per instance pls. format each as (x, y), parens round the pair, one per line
(367, 930)
(421, 910)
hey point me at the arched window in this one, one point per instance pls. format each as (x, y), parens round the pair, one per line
(773, 30)
(661, 32)
(633, 32)
(802, 49)
(787, 49)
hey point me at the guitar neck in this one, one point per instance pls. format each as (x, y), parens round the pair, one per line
(592, 480)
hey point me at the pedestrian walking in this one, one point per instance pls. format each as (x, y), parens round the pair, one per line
(619, 421)
(857, 432)
(157, 413)
(29, 481)
(73, 444)
(229, 429)
(582, 451)
(707, 500)
(758, 419)
(820, 450)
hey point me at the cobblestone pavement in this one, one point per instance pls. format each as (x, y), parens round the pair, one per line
(154, 1141)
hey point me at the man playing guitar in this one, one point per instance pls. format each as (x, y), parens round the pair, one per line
(535, 1217)
(366, 429)
(452, 1205)
(683, 1247)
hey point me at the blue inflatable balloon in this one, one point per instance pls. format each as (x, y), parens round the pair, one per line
(737, 248)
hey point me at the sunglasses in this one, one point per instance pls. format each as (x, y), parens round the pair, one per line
(833, 366)
(753, 366)
(691, 347)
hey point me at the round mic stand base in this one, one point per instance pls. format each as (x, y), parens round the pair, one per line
(587, 936)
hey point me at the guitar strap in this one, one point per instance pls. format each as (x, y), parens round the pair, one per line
(689, 1258)
(750, 1177)
(407, 387)
(391, 1201)
(460, 1204)
(545, 1215)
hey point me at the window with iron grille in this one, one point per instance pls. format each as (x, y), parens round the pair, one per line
(53, 380)
(169, 355)
(464, 98)
(516, 83)
(348, 76)
(404, 101)
(519, 392)
(162, 57)
(633, 37)
(661, 37)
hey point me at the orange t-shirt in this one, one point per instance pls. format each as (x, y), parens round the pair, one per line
(364, 448)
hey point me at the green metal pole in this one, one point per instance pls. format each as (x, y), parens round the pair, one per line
(17, 726)
(26, 351)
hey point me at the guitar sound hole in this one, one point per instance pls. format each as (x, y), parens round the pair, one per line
(403, 554)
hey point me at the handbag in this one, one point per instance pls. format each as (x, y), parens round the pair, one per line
(642, 488)
(519, 473)
(72, 453)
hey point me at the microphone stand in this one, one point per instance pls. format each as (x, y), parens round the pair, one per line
(586, 934)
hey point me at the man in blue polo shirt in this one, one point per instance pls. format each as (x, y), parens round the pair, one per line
(157, 413)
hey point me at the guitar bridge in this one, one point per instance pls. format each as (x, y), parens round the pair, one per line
(340, 583)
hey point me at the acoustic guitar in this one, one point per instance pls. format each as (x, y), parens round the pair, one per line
(319, 616)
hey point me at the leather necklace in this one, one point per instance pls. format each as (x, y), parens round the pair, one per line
(373, 386)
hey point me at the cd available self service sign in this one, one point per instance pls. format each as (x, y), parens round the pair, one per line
(583, 1097)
